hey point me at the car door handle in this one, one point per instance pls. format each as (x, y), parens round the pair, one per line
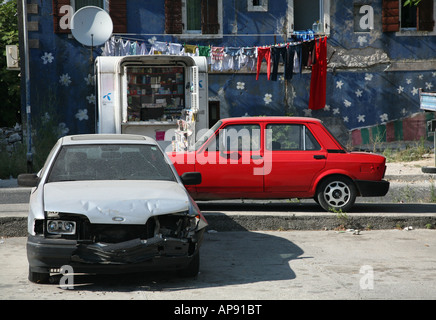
(256, 157)
(319, 156)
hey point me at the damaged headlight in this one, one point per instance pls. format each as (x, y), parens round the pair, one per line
(61, 227)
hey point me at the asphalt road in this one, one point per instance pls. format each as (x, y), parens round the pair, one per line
(267, 265)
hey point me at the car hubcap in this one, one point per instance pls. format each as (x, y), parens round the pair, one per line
(337, 194)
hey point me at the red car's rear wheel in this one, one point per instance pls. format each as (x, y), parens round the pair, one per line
(336, 193)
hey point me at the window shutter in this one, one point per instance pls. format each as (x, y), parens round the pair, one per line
(173, 17)
(425, 20)
(57, 16)
(118, 13)
(391, 15)
(209, 17)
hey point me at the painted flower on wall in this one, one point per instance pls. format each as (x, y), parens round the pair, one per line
(368, 76)
(90, 80)
(400, 89)
(362, 40)
(91, 99)
(65, 80)
(82, 114)
(267, 98)
(307, 112)
(240, 85)
(47, 57)
(62, 129)
(384, 117)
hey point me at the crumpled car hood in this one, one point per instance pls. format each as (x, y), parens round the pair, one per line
(121, 201)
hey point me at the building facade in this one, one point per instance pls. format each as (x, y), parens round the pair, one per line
(379, 54)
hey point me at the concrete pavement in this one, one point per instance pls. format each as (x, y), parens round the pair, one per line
(262, 265)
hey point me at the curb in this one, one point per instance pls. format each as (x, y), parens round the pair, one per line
(288, 223)
(220, 222)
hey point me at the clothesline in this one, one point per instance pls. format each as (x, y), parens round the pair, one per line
(225, 58)
(305, 50)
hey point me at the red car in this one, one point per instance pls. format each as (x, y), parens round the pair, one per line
(280, 158)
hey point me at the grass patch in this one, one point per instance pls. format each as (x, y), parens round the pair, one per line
(413, 152)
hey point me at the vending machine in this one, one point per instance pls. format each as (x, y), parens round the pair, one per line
(162, 96)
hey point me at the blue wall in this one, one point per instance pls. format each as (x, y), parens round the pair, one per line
(357, 96)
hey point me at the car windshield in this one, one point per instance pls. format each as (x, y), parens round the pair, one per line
(110, 162)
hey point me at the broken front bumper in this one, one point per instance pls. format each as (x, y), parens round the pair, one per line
(129, 256)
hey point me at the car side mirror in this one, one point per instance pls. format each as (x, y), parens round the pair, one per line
(28, 180)
(191, 178)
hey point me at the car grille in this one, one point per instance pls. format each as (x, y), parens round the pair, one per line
(170, 225)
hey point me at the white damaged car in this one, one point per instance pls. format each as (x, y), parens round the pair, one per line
(111, 203)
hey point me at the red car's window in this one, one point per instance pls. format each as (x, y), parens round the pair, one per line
(290, 137)
(242, 137)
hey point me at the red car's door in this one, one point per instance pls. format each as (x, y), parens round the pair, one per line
(295, 155)
(231, 163)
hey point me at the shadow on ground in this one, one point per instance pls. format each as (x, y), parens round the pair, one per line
(230, 258)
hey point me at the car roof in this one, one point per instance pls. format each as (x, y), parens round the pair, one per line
(107, 139)
(272, 119)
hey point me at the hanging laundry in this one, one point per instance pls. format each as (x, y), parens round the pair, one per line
(217, 53)
(318, 81)
(297, 59)
(308, 53)
(263, 53)
(143, 49)
(217, 57)
(175, 49)
(248, 58)
(204, 51)
(287, 54)
(133, 48)
(191, 50)
(231, 58)
(124, 48)
(160, 47)
(108, 48)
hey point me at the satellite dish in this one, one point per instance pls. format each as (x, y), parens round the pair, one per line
(91, 26)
